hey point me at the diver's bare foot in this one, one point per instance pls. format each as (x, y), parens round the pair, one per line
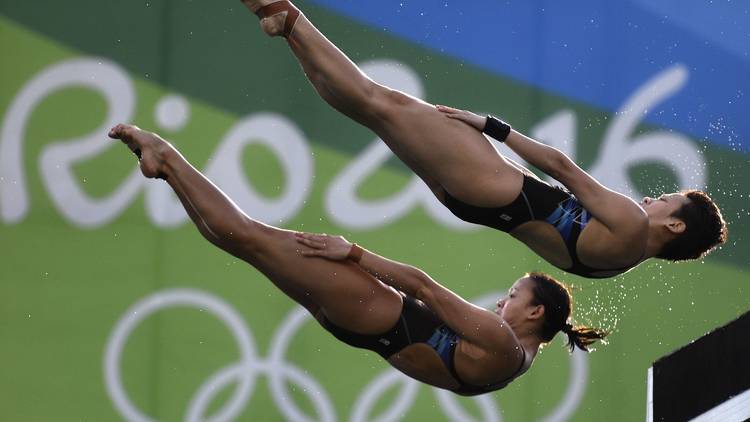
(277, 17)
(149, 147)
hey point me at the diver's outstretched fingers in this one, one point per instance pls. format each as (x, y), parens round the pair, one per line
(468, 117)
(312, 243)
(446, 109)
(332, 247)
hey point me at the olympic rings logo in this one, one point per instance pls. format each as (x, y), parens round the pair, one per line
(279, 371)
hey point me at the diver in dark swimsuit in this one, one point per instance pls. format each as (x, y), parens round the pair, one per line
(446, 149)
(421, 328)
(418, 324)
(538, 201)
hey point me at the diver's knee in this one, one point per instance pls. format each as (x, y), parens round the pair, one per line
(386, 102)
(253, 238)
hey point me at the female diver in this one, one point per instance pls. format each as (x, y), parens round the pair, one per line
(421, 328)
(586, 229)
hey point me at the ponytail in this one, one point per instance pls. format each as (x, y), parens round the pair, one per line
(582, 336)
(558, 305)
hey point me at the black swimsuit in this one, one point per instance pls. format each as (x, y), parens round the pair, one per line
(418, 324)
(537, 200)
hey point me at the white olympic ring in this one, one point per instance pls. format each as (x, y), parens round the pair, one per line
(245, 371)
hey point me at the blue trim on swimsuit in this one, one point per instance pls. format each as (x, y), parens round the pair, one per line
(538, 201)
(417, 324)
(569, 218)
(443, 340)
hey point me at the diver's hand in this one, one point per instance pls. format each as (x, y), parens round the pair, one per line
(472, 119)
(335, 248)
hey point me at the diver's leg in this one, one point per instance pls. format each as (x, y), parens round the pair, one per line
(443, 152)
(346, 294)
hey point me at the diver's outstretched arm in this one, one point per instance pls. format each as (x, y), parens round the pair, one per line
(608, 206)
(403, 277)
(474, 324)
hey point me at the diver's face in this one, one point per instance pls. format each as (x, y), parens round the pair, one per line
(664, 206)
(518, 303)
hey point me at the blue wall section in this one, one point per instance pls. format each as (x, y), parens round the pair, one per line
(593, 51)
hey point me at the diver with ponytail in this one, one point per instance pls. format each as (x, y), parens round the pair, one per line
(557, 301)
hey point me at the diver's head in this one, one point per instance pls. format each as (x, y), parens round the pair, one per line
(690, 221)
(539, 303)
(519, 308)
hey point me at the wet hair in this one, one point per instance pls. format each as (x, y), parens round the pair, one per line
(705, 229)
(558, 305)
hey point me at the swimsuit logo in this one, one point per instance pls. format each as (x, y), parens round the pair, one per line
(385, 341)
(506, 217)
